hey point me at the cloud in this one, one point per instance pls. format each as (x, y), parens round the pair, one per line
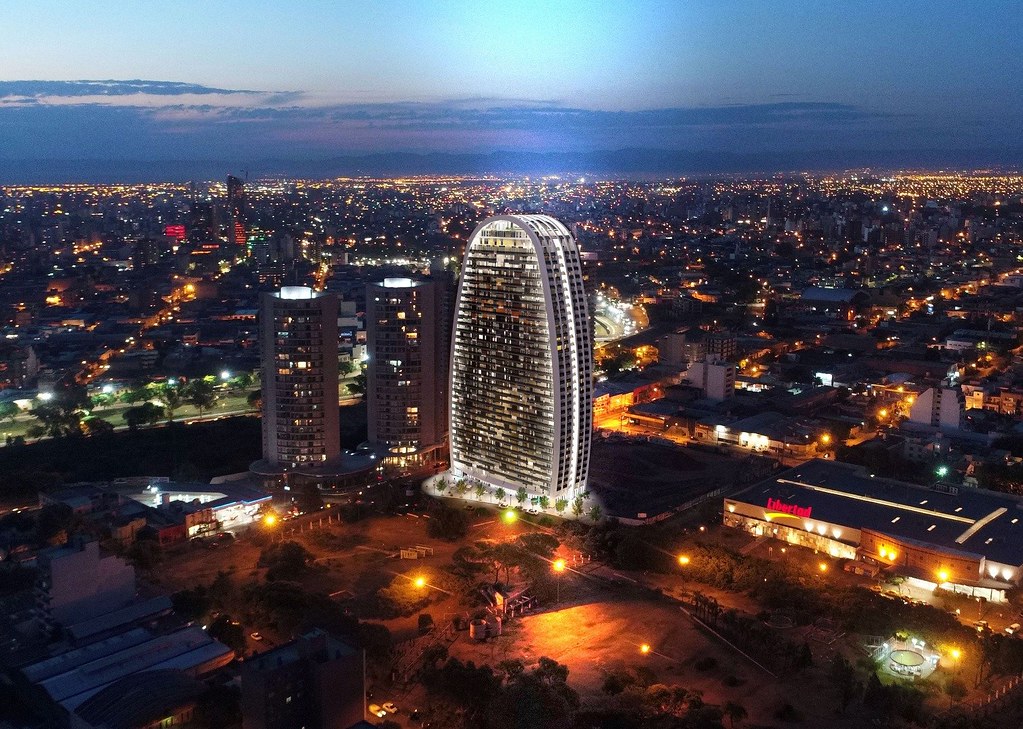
(45, 89)
(164, 120)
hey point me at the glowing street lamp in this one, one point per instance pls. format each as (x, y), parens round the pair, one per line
(510, 517)
(941, 471)
(826, 439)
(823, 567)
(419, 582)
(683, 559)
(644, 649)
(269, 520)
(943, 576)
(559, 567)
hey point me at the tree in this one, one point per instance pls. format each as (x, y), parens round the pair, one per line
(97, 426)
(255, 399)
(241, 381)
(843, 675)
(545, 502)
(145, 414)
(201, 395)
(803, 657)
(499, 495)
(228, 632)
(172, 399)
(145, 554)
(61, 415)
(358, 385)
(560, 505)
(481, 491)
(735, 712)
(8, 410)
(955, 689)
(285, 560)
(441, 485)
(347, 367)
(461, 487)
(192, 604)
(578, 506)
(521, 495)
(135, 394)
(450, 524)
(595, 513)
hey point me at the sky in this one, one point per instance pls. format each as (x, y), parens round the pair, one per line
(243, 81)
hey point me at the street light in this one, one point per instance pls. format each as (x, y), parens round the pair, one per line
(823, 567)
(826, 438)
(419, 582)
(683, 561)
(558, 566)
(269, 520)
(644, 649)
(510, 517)
(943, 576)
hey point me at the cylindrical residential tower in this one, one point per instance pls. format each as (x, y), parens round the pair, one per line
(521, 360)
(298, 348)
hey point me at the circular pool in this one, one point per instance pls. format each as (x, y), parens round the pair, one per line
(910, 659)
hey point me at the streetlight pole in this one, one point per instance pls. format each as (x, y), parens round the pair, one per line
(558, 566)
(683, 561)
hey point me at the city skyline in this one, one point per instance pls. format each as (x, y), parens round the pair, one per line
(752, 87)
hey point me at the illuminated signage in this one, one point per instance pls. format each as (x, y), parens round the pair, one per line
(175, 231)
(780, 506)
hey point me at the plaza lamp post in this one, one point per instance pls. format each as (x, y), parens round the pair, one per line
(421, 583)
(956, 655)
(683, 562)
(559, 567)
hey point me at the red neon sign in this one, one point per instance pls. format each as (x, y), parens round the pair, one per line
(175, 231)
(800, 511)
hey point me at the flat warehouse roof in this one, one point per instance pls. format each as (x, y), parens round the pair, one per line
(973, 521)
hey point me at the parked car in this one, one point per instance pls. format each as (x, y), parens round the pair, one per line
(1012, 629)
(390, 708)
(256, 636)
(375, 710)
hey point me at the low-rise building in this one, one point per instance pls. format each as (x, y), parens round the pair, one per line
(960, 539)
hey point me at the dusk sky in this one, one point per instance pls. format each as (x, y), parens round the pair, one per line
(243, 80)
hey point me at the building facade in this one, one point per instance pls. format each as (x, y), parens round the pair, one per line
(716, 379)
(407, 372)
(962, 540)
(75, 583)
(236, 210)
(298, 349)
(521, 360)
(939, 407)
(313, 682)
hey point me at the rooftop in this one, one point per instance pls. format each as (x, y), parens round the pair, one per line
(970, 521)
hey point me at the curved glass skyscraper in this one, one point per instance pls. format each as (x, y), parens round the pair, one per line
(521, 360)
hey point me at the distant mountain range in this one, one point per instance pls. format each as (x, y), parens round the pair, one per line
(622, 163)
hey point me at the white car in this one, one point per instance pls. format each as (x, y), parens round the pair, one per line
(1012, 629)
(375, 710)
(390, 708)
